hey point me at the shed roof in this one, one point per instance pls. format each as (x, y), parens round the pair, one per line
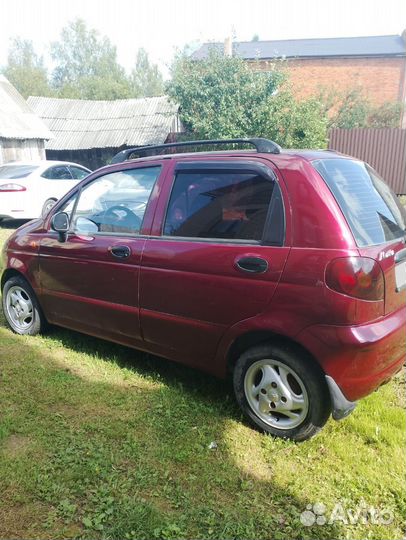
(82, 124)
(17, 120)
(312, 48)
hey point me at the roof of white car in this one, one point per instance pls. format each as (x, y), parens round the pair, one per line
(42, 163)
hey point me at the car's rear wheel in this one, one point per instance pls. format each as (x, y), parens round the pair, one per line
(48, 204)
(281, 392)
(21, 308)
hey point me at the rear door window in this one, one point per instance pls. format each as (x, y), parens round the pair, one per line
(218, 204)
(371, 209)
(78, 173)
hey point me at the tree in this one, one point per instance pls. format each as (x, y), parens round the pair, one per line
(354, 110)
(86, 65)
(146, 79)
(223, 97)
(26, 70)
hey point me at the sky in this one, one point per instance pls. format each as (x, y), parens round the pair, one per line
(162, 26)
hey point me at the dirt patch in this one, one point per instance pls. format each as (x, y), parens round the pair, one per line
(16, 445)
(27, 521)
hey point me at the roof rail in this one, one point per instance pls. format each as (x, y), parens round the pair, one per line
(261, 145)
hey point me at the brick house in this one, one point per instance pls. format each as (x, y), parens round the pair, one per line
(375, 64)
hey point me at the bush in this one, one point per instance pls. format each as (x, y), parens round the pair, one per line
(356, 111)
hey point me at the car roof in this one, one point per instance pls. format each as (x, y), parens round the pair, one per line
(291, 154)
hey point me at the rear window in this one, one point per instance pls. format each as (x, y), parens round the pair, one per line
(371, 209)
(11, 172)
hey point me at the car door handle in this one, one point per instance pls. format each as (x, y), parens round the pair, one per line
(252, 265)
(121, 252)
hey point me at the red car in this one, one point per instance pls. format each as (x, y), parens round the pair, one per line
(284, 269)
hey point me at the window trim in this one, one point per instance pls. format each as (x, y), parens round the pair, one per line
(238, 241)
(229, 166)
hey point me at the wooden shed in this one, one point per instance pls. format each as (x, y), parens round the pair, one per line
(91, 132)
(22, 133)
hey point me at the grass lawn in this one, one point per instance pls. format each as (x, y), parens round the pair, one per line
(101, 441)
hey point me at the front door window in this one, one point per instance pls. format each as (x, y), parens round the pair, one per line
(115, 203)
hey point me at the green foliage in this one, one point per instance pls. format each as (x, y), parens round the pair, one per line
(86, 65)
(146, 79)
(356, 111)
(386, 115)
(25, 69)
(223, 97)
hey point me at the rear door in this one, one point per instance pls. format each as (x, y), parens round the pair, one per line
(90, 281)
(376, 219)
(214, 258)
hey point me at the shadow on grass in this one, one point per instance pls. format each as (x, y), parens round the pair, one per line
(144, 364)
(128, 458)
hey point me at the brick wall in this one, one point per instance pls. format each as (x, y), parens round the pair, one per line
(381, 79)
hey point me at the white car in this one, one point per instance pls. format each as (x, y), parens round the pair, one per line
(29, 189)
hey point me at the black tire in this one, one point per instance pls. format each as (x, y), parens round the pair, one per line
(35, 321)
(47, 206)
(305, 382)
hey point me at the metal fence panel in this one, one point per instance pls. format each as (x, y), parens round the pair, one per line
(383, 148)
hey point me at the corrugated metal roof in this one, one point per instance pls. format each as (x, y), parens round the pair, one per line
(311, 48)
(82, 124)
(17, 120)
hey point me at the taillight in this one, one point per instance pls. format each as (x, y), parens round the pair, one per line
(12, 187)
(360, 277)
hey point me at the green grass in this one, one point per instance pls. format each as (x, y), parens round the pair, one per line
(100, 441)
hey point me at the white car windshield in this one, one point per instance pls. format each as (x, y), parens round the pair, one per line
(11, 172)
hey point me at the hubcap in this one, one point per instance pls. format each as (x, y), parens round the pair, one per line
(276, 394)
(19, 308)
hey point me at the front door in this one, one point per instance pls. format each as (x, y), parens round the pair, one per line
(90, 282)
(214, 259)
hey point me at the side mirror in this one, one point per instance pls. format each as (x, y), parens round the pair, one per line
(60, 224)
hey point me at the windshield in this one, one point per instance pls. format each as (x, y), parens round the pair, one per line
(371, 209)
(11, 172)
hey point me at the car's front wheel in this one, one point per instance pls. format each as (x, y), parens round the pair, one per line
(281, 392)
(48, 204)
(21, 308)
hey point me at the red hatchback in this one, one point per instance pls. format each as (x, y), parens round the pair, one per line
(283, 269)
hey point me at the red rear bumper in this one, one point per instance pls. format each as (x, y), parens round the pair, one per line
(359, 358)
